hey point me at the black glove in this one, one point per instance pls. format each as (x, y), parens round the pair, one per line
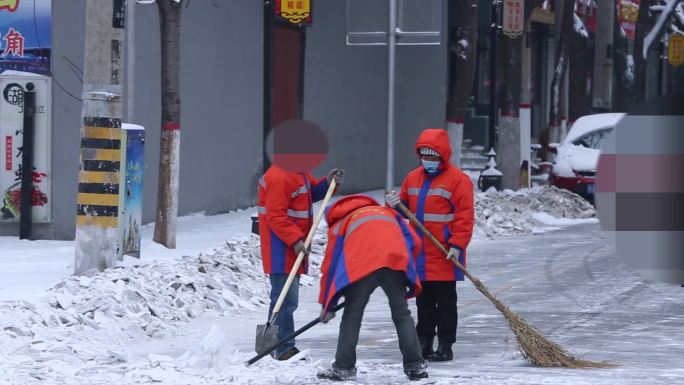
(299, 248)
(337, 174)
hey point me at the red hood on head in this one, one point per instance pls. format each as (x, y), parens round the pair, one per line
(344, 206)
(436, 139)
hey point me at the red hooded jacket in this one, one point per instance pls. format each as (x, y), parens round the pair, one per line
(364, 237)
(285, 216)
(444, 203)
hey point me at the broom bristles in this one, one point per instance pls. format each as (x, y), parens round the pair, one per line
(534, 347)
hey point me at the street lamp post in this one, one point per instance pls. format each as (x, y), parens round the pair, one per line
(492, 74)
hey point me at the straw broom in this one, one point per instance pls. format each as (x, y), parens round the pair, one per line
(534, 347)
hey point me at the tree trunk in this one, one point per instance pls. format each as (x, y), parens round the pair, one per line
(580, 67)
(169, 157)
(645, 22)
(508, 136)
(552, 133)
(508, 141)
(463, 23)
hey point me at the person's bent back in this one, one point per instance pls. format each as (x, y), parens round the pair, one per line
(369, 246)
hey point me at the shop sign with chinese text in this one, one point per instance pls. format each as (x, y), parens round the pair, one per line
(294, 11)
(13, 85)
(513, 18)
(675, 49)
(25, 35)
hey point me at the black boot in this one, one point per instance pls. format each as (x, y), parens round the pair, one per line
(337, 374)
(426, 346)
(416, 371)
(443, 352)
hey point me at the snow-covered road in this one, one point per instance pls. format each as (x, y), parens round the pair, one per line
(192, 320)
(566, 283)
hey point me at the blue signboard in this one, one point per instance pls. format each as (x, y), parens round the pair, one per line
(25, 35)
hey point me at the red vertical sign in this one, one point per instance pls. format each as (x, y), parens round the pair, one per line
(513, 24)
(8, 153)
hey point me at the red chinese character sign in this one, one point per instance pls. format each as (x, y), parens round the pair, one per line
(294, 11)
(628, 12)
(675, 50)
(513, 18)
(25, 35)
(13, 85)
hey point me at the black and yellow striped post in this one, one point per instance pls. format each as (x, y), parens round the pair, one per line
(99, 183)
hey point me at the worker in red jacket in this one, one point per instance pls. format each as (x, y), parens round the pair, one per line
(369, 246)
(441, 197)
(285, 218)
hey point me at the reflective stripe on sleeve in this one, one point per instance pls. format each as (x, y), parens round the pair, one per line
(298, 214)
(438, 217)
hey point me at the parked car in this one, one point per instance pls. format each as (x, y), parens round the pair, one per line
(577, 155)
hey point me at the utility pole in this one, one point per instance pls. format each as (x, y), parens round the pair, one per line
(98, 188)
(391, 60)
(130, 61)
(603, 57)
(493, 37)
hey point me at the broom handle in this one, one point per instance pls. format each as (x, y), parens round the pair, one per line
(300, 257)
(434, 240)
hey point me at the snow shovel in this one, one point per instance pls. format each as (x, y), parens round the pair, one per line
(267, 335)
(534, 347)
(299, 331)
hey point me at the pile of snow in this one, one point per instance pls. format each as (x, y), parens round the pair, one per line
(85, 321)
(152, 295)
(528, 211)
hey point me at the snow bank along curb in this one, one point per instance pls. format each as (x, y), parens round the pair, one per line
(517, 213)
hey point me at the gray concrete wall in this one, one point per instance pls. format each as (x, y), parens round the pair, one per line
(346, 94)
(221, 85)
(221, 118)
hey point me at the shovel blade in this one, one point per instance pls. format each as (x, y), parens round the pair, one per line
(266, 336)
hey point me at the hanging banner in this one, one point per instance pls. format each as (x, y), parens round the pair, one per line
(675, 50)
(25, 35)
(294, 11)
(628, 12)
(586, 10)
(513, 18)
(13, 85)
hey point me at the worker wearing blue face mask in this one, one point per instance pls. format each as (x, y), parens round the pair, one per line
(441, 196)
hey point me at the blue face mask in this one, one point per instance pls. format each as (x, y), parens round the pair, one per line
(431, 166)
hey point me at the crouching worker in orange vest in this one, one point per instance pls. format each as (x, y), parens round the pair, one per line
(369, 246)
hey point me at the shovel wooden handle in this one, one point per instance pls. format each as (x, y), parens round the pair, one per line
(300, 257)
(432, 238)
